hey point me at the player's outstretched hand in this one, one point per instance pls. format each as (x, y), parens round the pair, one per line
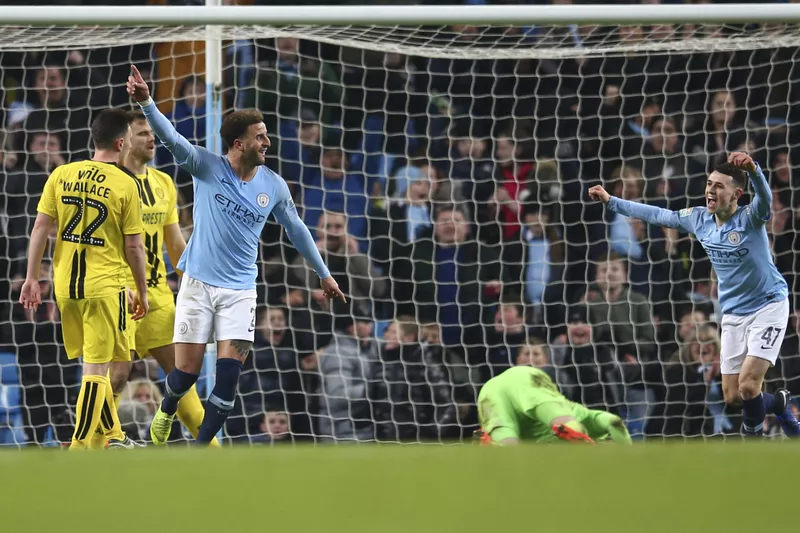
(137, 87)
(742, 160)
(331, 289)
(30, 295)
(599, 194)
(140, 306)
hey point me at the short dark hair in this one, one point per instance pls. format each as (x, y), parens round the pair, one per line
(135, 114)
(738, 175)
(108, 127)
(608, 256)
(236, 124)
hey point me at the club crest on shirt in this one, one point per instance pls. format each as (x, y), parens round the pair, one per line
(733, 237)
(160, 193)
(263, 200)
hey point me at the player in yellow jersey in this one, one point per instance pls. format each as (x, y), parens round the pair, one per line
(96, 208)
(153, 335)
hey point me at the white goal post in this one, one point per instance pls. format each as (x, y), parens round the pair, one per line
(506, 112)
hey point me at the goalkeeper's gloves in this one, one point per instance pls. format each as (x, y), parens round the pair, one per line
(481, 438)
(564, 432)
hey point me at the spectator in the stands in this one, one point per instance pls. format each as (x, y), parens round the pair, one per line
(586, 368)
(467, 161)
(501, 213)
(722, 132)
(623, 320)
(275, 427)
(395, 228)
(422, 385)
(298, 146)
(337, 189)
(294, 80)
(271, 427)
(357, 277)
(536, 353)
(505, 337)
(659, 273)
(47, 378)
(624, 182)
(684, 394)
(24, 187)
(270, 376)
(454, 278)
(669, 175)
(538, 270)
(784, 240)
(347, 369)
(63, 110)
(687, 321)
(781, 179)
(139, 402)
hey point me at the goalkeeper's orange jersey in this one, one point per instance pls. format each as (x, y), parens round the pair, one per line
(159, 209)
(95, 204)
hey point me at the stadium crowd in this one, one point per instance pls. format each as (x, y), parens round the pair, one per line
(448, 197)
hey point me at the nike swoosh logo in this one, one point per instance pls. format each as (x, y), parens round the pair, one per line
(226, 182)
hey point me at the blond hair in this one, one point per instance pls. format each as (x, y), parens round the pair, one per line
(129, 394)
(704, 335)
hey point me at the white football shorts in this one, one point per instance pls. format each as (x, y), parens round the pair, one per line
(759, 334)
(205, 313)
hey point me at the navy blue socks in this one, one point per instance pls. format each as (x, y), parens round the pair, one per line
(753, 414)
(177, 384)
(220, 403)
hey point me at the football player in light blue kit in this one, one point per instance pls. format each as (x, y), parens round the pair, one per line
(752, 293)
(233, 196)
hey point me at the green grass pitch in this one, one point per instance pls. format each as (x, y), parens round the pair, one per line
(375, 489)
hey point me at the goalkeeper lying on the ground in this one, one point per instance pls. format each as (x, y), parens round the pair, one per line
(523, 404)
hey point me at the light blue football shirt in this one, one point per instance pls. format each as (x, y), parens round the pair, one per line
(229, 214)
(739, 250)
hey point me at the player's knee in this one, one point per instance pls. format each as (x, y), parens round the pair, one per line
(118, 375)
(731, 394)
(749, 388)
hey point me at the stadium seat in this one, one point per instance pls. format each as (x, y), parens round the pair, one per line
(11, 432)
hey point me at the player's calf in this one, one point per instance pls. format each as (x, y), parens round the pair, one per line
(754, 403)
(220, 403)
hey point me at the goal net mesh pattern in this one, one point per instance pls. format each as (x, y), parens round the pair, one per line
(443, 171)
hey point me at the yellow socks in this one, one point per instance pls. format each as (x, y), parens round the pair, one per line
(191, 412)
(88, 410)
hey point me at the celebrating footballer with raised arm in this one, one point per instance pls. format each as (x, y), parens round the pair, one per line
(752, 292)
(234, 195)
(96, 208)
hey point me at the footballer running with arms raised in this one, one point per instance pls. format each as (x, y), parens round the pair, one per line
(752, 292)
(234, 195)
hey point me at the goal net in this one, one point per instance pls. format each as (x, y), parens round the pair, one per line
(443, 169)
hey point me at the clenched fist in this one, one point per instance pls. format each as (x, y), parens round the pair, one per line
(599, 194)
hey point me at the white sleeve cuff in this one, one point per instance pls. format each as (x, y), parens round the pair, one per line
(146, 102)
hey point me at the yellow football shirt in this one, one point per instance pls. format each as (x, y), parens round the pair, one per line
(95, 205)
(159, 209)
